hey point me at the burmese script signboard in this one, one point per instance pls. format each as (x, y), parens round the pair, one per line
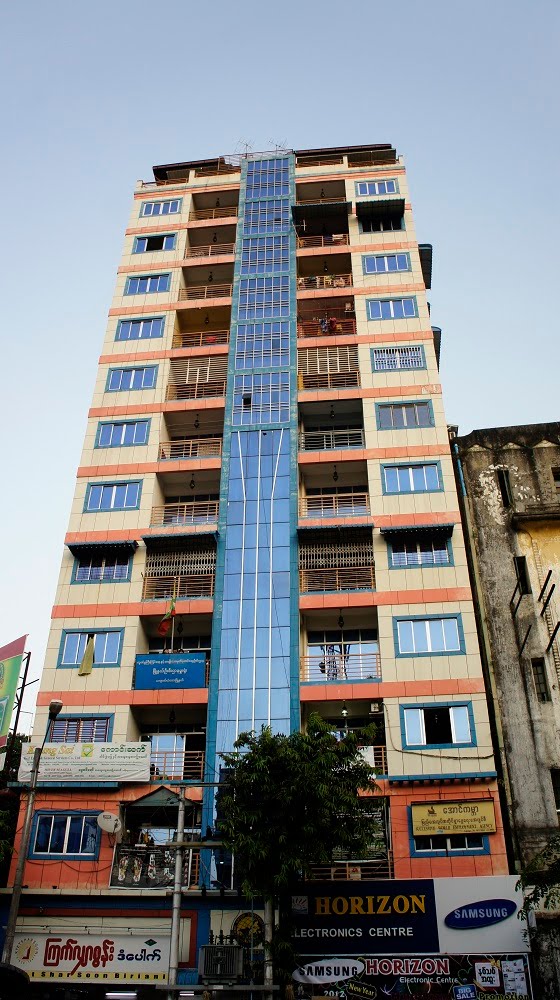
(93, 958)
(443, 817)
(88, 762)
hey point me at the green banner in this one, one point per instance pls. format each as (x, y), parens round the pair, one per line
(10, 666)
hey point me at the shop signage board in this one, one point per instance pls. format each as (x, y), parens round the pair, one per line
(93, 958)
(88, 762)
(11, 656)
(443, 817)
(160, 672)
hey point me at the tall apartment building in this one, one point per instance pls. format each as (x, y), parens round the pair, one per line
(266, 456)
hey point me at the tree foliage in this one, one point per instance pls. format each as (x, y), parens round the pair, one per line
(540, 879)
(290, 801)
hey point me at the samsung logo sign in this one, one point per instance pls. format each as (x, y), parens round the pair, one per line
(330, 970)
(481, 914)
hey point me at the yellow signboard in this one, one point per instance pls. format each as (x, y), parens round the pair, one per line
(471, 816)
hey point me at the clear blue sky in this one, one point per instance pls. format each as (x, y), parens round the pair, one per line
(94, 94)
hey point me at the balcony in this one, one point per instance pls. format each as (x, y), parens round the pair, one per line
(211, 291)
(353, 437)
(196, 390)
(193, 447)
(331, 326)
(318, 161)
(328, 380)
(338, 666)
(336, 578)
(320, 281)
(329, 240)
(339, 199)
(209, 250)
(143, 866)
(218, 212)
(371, 868)
(347, 504)
(185, 512)
(164, 588)
(177, 765)
(535, 510)
(327, 563)
(199, 338)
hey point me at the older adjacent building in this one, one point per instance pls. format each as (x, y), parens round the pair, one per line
(265, 524)
(511, 501)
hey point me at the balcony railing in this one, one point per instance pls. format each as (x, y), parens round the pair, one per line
(221, 168)
(211, 250)
(187, 512)
(196, 390)
(336, 240)
(328, 380)
(339, 199)
(341, 578)
(211, 291)
(201, 447)
(318, 161)
(221, 212)
(177, 765)
(316, 281)
(163, 588)
(334, 505)
(142, 866)
(199, 338)
(372, 868)
(338, 666)
(326, 440)
(328, 327)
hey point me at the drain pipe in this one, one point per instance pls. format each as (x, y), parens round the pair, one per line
(177, 894)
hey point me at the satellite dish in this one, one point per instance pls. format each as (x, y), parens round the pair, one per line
(109, 822)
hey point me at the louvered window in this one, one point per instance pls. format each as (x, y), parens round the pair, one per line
(191, 378)
(77, 730)
(192, 561)
(327, 360)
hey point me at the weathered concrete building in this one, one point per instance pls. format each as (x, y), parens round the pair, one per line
(510, 486)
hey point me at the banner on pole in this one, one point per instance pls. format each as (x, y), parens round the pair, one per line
(10, 666)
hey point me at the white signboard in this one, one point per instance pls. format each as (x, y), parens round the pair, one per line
(480, 915)
(93, 958)
(88, 762)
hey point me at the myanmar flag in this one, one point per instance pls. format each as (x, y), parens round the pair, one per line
(165, 623)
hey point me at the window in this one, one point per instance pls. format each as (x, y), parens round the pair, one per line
(265, 253)
(169, 207)
(147, 244)
(392, 359)
(102, 567)
(437, 726)
(140, 329)
(261, 398)
(520, 566)
(384, 263)
(124, 379)
(106, 648)
(66, 834)
(555, 778)
(387, 223)
(268, 178)
(368, 188)
(391, 308)
(260, 298)
(541, 682)
(113, 496)
(455, 843)
(123, 433)
(147, 283)
(80, 730)
(411, 478)
(419, 551)
(262, 345)
(267, 216)
(556, 479)
(504, 487)
(426, 636)
(397, 416)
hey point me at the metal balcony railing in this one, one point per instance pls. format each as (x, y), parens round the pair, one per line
(177, 765)
(327, 440)
(341, 578)
(197, 447)
(196, 390)
(220, 212)
(372, 868)
(221, 168)
(334, 240)
(187, 512)
(211, 291)
(211, 250)
(329, 327)
(315, 281)
(199, 338)
(144, 866)
(328, 380)
(163, 588)
(339, 199)
(334, 505)
(338, 666)
(318, 161)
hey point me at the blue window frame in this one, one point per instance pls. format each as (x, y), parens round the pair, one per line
(437, 726)
(262, 345)
(126, 379)
(107, 646)
(146, 284)
(261, 398)
(405, 308)
(261, 254)
(69, 835)
(267, 216)
(428, 635)
(113, 496)
(107, 566)
(150, 244)
(446, 845)
(140, 329)
(80, 729)
(420, 550)
(365, 189)
(416, 478)
(400, 416)
(261, 298)
(394, 359)
(168, 207)
(122, 433)
(386, 263)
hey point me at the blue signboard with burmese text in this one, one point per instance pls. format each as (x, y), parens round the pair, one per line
(155, 672)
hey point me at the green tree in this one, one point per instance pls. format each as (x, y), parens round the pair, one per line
(540, 878)
(289, 802)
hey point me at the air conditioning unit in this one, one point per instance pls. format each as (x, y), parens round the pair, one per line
(220, 962)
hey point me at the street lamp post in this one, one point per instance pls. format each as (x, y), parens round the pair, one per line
(54, 710)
